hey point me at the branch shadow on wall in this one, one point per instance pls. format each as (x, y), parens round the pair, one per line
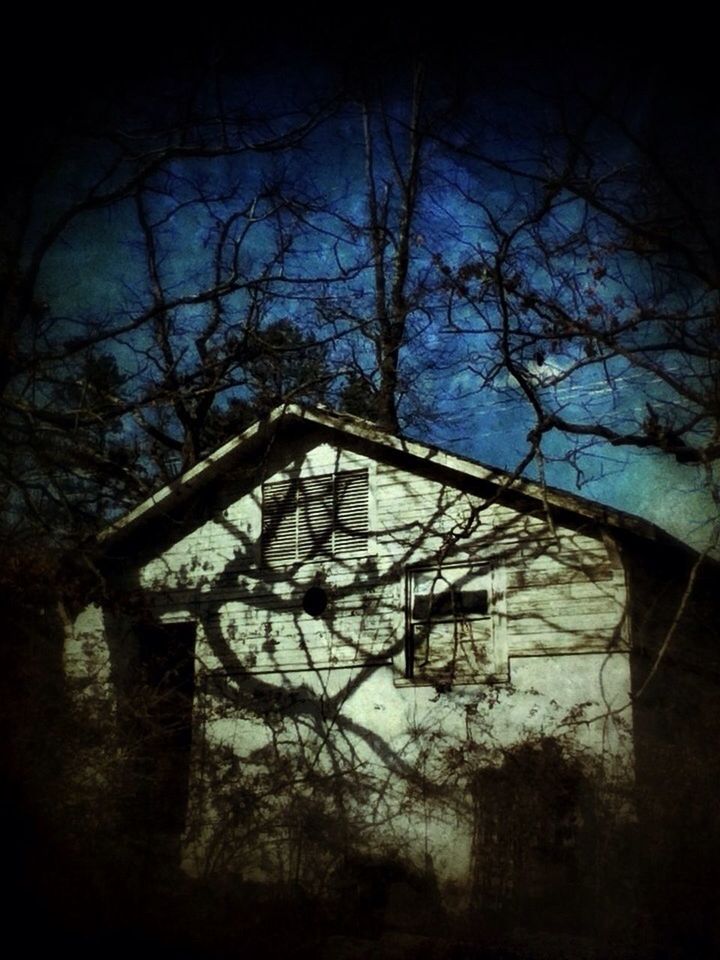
(274, 774)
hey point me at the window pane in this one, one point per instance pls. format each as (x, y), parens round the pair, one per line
(448, 605)
(472, 602)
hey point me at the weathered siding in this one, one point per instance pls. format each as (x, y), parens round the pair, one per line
(565, 588)
(304, 715)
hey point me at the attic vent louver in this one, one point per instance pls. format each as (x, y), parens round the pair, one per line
(311, 517)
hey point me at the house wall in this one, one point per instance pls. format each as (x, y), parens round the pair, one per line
(310, 743)
(674, 602)
(86, 654)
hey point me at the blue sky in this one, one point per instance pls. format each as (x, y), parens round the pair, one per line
(96, 271)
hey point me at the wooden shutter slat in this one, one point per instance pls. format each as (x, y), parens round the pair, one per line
(351, 531)
(315, 520)
(279, 521)
(315, 516)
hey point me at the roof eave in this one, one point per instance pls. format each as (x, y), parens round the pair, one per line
(176, 492)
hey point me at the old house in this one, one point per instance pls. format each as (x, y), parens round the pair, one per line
(363, 653)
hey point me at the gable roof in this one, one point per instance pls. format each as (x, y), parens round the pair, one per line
(455, 466)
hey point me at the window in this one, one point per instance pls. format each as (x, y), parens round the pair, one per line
(455, 624)
(311, 517)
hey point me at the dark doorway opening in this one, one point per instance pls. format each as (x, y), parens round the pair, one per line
(532, 844)
(160, 705)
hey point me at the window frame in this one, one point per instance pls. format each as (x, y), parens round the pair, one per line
(496, 617)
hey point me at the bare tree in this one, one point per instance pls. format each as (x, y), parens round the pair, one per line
(108, 378)
(592, 292)
(572, 280)
(388, 305)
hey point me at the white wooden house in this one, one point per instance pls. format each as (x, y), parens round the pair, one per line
(370, 650)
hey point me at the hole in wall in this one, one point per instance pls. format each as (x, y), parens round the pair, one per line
(315, 601)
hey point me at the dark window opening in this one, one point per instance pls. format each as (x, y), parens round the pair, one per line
(450, 605)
